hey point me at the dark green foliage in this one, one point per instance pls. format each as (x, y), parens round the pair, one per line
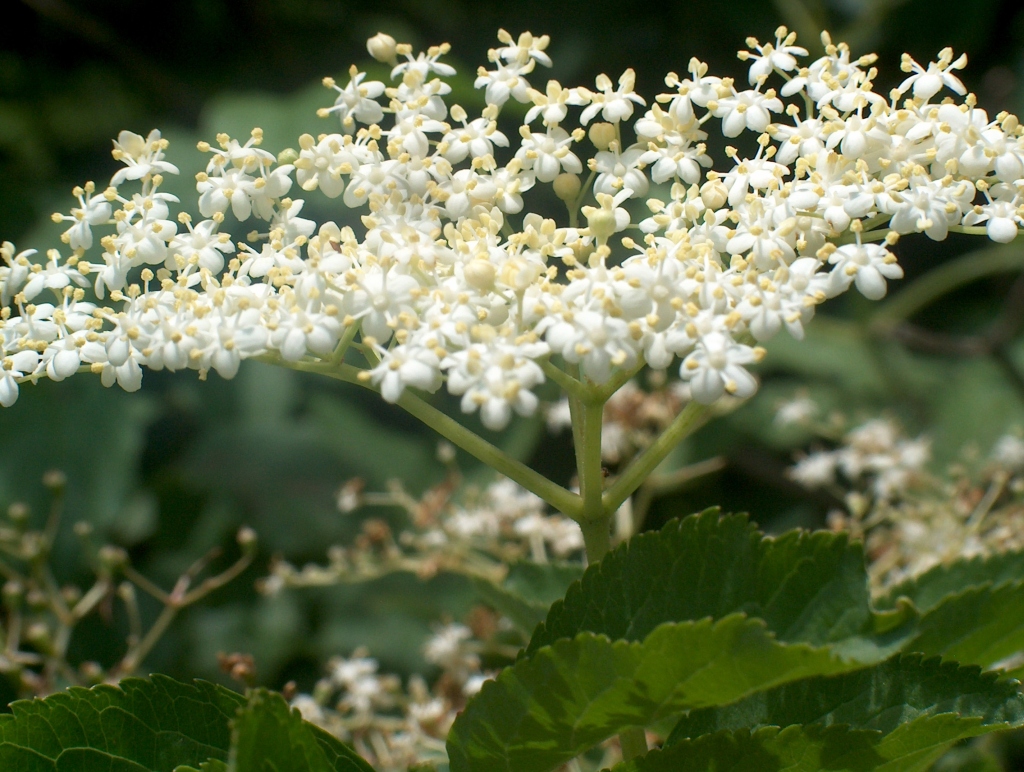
(160, 724)
(550, 707)
(808, 587)
(746, 634)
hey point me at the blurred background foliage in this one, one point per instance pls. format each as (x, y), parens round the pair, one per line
(176, 469)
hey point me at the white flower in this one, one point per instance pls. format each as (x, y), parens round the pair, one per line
(614, 104)
(475, 139)
(552, 105)
(406, 365)
(715, 367)
(924, 207)
(496, 377)
(322, 164)
(15, 367)
(1001, 214)
(746, 110)
(780, 56)
(53, 276)
(929, 82)
(595, 342)
(620, 172)
(201, 245)
(93, 210)
(547, 155)
(526, 48)
(141, 157)
(504, 82)
(1009, 452)
(300, 331)
(815, 470)
(867, 265)
(357, 101)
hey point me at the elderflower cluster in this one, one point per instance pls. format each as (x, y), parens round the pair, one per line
(874, 454)
(453, 279)
(392, 725)
(912, 518)
(451, 528)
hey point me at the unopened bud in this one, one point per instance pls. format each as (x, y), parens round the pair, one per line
(288, 156)
(39, 636)
(13, 594)
(601, 221)
(91, 672)
(445, 452)
(382, 47)
(602, 135)
(112, 558)
(714, 194)
(37, 600)
(55, 480)
(567, 186)
(18, 512)
(247, 539)
(480, 273)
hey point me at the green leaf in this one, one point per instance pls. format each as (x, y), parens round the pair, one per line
(911, 747)
(980, 626)
(900, 715)
(566, 698)
(933, 586)
(138, 725)
(879, 698)
(160, 724)
(529, 589)
(271, 737)
(808, 587)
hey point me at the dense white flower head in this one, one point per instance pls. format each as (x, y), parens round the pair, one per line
(450, 270)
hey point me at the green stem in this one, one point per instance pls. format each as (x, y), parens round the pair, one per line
(564, 501)
(344, 343)
(605, 391)
(597, 538)
(591, 473)
(689, 418)
(633, 742)
(569, 385)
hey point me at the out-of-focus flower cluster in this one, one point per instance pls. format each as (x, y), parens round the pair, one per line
(453, 279)
(911, 517)
(451, 528)
(397, 725)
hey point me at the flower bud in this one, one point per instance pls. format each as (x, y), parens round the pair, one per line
(91, 672)
(567, 186)
(13, 593)
(18, 512)
(38, 634)
(288, 156)
(601, 221)
(602, 135)
(112, 558)
(382, 47)
(55, 480)
(480, 274)
(714, 194)
(247, 539)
